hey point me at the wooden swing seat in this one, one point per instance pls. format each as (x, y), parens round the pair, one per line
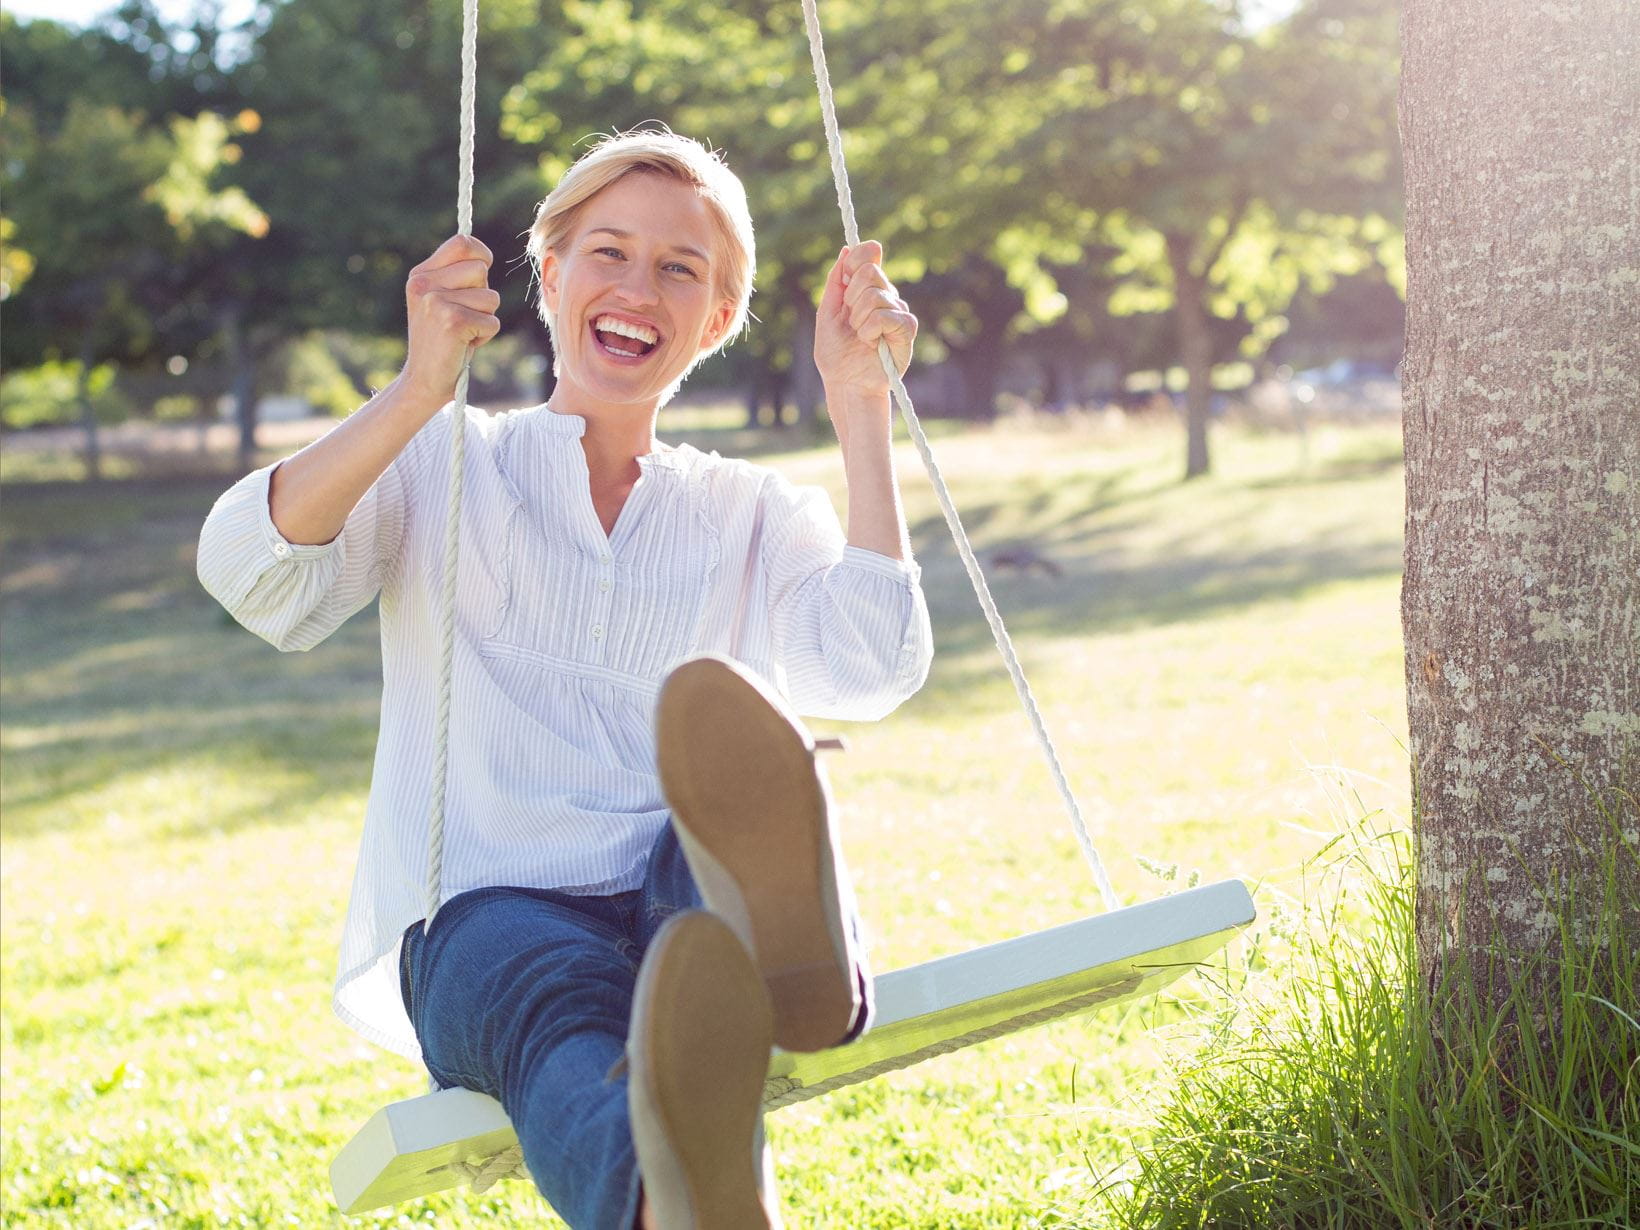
(427, 1144)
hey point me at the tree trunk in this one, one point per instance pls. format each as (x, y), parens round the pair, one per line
(88, 417)
(806, 392)
(1521, 385)
(979, 363)
(242, 363)
(1195, 352)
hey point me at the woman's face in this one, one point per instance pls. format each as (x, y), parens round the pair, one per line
(633, 291)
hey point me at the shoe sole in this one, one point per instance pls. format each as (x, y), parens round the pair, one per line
(697, 1054)
(750, 809)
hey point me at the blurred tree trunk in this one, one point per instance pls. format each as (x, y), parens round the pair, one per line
(806, 391)
(88, 412)
(1191, 283)
(1196, 352)
(242, 365)
(979, 363)
(1521, 605)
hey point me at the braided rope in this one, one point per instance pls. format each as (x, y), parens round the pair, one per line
(1005, 645)
(507, 1164)
(452, 521)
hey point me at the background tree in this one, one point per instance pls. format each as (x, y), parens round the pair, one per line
(354, 161)
(1242, 164)
(1521, 603)
(105, 204)
(118, 205)
(1048, 179)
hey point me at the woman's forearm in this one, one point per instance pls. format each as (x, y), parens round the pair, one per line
(311, 493)
(450, 309)
(876, 521)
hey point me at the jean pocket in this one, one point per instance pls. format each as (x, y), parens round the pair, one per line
(406, 960)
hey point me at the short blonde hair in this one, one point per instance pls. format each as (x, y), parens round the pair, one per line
(658, 152)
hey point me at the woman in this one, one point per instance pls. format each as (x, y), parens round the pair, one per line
(568, 970)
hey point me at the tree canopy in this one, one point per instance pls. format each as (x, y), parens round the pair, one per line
(1084, 181)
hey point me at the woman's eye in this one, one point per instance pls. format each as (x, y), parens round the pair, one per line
(678, 267)
(615, 252)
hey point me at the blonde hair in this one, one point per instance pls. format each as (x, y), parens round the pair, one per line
(658, 152)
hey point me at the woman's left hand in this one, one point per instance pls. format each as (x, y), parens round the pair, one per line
(859, 308)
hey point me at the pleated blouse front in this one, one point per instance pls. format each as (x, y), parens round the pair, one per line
(563, 636)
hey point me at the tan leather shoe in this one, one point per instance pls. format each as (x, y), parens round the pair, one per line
(697, 1053)
(751, 810)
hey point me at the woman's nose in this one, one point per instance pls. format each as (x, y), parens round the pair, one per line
(638, 284)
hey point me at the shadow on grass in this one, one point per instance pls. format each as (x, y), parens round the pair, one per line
(117, 664)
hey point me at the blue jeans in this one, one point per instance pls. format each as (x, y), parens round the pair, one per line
(525, 994)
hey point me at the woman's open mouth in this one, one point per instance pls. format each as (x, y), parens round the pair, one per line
(623, 340)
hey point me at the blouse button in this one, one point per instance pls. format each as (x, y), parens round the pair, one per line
(280, 550)
(603, 586)
(597, 631)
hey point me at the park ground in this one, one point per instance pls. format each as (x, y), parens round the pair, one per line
(1219, 662)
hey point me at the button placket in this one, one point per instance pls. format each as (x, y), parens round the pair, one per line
(600, 622)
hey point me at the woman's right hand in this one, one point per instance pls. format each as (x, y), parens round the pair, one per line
(450, 307)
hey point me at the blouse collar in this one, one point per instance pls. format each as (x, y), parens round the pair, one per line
(680, 457)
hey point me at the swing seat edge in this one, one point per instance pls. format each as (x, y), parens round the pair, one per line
(409, 1148)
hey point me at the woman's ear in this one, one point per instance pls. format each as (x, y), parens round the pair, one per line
(717, 325)
(549, 280)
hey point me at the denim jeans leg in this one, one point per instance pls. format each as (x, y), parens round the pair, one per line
(526, 995)
(669, 886)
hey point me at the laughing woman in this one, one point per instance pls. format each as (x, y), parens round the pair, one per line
(641, 886)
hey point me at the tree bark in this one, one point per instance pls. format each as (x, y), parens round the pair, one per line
(1196, 353)
(1521, 387)
(242, 363)
(88, 416)
(806, 393)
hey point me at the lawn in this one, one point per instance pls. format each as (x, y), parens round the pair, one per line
(181, 807)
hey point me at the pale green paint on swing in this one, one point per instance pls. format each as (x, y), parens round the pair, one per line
(428, 1144)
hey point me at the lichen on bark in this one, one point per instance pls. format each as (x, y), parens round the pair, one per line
(1521, 604)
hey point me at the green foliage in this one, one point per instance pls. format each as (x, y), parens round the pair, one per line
(1040, 173)
(113, 210)
(308, 369)
(201, 147)
(15, 264)
(1326, 1091)
(50, 395)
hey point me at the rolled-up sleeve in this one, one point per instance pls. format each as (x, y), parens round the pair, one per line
(851, 631)
(291, 595)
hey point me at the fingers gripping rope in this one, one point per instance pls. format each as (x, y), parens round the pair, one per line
(1005, 646)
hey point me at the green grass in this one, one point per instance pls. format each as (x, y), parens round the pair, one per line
(1328, 1091)
(181, 809)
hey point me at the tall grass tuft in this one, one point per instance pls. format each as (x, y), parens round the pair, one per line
(1319, 1097)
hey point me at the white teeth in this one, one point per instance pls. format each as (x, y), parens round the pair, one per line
(642, 333)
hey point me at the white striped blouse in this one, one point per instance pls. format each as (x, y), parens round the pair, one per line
(563, 635)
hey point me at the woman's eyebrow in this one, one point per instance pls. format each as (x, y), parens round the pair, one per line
(677, 247)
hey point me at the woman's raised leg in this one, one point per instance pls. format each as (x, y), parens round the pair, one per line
(526, 995)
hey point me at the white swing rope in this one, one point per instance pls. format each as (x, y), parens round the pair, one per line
(458, 451)
(1005, 645)
(510, 1160)
(509, 1163)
